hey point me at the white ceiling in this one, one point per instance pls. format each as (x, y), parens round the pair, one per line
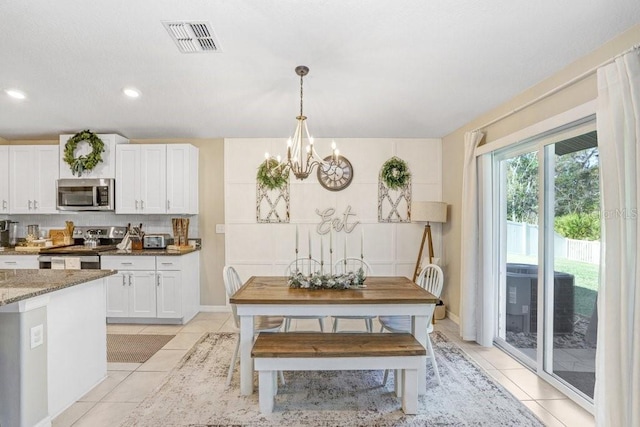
(379, 68)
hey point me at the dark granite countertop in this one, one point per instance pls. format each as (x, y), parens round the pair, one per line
(17, 285)
(11, 251)
(148, 252)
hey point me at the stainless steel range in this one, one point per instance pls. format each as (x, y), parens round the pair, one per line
(89, 242)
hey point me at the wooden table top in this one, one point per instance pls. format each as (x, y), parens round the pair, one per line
(379, 290)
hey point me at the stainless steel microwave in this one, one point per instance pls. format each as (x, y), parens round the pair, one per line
(86, 194)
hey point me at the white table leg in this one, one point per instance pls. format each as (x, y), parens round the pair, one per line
(266, 394)
(419, 331)
(409, 392)
(246, 362)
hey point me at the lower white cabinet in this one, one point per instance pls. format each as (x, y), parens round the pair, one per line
(150, 287)
(19, 262)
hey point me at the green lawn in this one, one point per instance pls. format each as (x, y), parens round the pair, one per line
(585, 280)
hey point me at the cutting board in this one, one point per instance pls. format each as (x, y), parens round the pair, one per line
(58, 236)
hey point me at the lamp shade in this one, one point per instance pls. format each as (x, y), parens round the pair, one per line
(428, 212)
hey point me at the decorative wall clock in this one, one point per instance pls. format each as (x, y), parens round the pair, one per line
(336, 175)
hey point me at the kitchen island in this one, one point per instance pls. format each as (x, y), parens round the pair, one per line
(52, 341)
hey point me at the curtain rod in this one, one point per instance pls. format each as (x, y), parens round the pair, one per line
(556, 89)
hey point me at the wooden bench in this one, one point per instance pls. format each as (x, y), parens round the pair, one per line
(273, 352)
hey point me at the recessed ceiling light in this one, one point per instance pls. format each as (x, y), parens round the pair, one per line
(131, 93)
(15, 94)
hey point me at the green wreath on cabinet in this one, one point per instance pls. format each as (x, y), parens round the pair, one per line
(87, 162)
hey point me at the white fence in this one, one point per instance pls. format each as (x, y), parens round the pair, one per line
(522, 239)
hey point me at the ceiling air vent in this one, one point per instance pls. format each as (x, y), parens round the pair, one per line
(193, 37)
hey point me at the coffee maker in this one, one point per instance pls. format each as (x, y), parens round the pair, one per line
(7, 233)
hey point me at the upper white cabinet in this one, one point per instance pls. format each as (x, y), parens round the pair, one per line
(182, 179)
(33, 171)
(4, 179)
(156, 179)
(105, 169)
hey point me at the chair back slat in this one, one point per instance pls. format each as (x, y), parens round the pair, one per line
(431, 279)
(306, 266)
(346, 265)
(232, 283)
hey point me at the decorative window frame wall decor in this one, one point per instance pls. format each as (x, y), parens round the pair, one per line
(272, 206)
(390, 201)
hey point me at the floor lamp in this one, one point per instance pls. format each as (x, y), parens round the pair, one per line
(427, 212)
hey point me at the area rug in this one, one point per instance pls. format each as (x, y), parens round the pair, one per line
(194, 395)
(132, 348)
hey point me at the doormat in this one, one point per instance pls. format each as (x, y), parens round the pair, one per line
(128, 348)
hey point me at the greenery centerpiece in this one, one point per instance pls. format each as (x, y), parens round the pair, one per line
(272, 175)
(318, 280)
(395, 173)
(87, 162)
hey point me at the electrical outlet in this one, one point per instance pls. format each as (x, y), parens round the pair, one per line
(37, 335)
(219, 228)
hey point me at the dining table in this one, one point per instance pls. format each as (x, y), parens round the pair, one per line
(381, 295)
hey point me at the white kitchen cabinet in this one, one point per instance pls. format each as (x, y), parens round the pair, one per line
(131, 292)
(19, 262)
(141, 179)
(153, 288)
(156, 179)
(182, 179)
(104, 169)
(33, 171)
(4, 179)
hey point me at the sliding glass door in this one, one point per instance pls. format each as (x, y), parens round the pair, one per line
(547, 222)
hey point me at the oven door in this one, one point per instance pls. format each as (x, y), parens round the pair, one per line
(69, 262)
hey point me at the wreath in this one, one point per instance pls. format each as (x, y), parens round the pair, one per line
(271, 175)
(81, 164)
(395, 173)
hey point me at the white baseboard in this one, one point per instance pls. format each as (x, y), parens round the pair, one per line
(455, 319)
(215, 308)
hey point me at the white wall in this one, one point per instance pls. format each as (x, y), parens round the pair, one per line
(266, 249)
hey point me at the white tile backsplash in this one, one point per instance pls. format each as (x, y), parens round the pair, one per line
(150, 223)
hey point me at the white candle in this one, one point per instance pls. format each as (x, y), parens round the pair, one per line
(309, 237)
(345, 248)
(321, 256)
(362, 244)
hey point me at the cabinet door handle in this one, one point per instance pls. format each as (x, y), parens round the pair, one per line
(166, 263)
(168, 204)
(126, 263)
(35, 204)
(29, 203)
(130, 278)
(158, 279)
(11, 262)
(141, 205)
(4, 205)
(136, 205)
(124, 280)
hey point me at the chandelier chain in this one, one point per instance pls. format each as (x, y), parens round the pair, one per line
(300, 95)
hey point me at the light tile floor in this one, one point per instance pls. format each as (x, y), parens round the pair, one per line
(127, 384)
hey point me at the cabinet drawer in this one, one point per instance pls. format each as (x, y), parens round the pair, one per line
(133, 262)
(19, 261)
(169, 263)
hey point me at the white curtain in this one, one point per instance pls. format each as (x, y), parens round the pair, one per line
(470, 298)
(617, 390)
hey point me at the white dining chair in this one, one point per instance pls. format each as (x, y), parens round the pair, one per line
(346, 265)
(431, 279)
(306, 266)
(232, 283)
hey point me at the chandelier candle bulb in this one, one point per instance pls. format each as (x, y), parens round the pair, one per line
(321, 255)
(345, 250)
(362, 244)
(309, 238)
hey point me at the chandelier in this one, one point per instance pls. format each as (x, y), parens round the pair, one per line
(301, 161)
